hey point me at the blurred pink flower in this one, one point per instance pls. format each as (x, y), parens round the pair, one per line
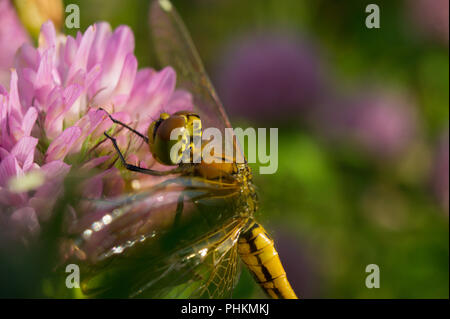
(50, 113)
(12, 36)
(381, 123)
(431, 17)
(273, 76)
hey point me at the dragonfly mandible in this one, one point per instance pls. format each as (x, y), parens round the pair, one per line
(183, 236)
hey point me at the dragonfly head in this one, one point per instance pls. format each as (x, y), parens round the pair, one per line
(187, 123)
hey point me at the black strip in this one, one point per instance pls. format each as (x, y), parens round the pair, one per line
(249, 233)
(252, 245)
(258, 259)
(157, 124)
(174, 307)
(266, 273)
(278, 293)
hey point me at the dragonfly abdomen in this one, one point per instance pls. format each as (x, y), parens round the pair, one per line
(258, 252)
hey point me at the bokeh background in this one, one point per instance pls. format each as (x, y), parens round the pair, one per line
(362, 117)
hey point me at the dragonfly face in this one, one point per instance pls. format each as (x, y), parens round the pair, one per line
(159, 136)
(180, 237)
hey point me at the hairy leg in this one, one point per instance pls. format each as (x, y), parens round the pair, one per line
(145, 138)
(135, 168)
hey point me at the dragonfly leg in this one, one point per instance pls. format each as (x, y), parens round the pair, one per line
(138, 169)
(145, 138)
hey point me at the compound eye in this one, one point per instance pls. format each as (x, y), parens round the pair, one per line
(184, 113)
(167, 126)
(160, 143)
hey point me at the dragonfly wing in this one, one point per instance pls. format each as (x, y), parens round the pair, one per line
(223, 277)
(211, 271)
(135, 248)
(174, 47)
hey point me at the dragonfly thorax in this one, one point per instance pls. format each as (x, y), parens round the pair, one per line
(184, 130)
(223, 171)
(248, 198)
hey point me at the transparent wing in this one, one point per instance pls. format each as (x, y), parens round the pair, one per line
(174, 47)
(153, 244)
(223, 277)
(209, 268)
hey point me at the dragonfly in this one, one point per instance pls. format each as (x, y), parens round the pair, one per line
(184, 236)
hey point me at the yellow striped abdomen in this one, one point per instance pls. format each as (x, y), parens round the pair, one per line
(257, 251)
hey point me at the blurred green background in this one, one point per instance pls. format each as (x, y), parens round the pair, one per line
(362, 118)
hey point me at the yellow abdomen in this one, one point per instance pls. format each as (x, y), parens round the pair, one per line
(257, 251)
